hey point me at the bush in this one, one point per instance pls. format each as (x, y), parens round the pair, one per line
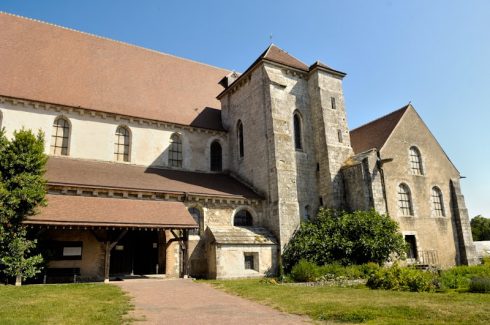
(305, 271)
(403, 279)
(481, 285)
(459, 277)
(345, 238)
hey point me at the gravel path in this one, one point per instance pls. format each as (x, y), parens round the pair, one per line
(181, 301)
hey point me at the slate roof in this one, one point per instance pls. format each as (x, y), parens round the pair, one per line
(52, 64)
(242, 235)
(76, 172)
(375, 133)
(67, 210)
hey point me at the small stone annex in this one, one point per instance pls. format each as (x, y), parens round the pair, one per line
(163, 165)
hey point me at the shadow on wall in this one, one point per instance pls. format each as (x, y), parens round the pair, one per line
(208, 118)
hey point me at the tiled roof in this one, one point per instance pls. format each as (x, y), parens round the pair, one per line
(275, 54)
(67, 210)
(67, 171)
(47, 63)
(242, 235)
(374, 134)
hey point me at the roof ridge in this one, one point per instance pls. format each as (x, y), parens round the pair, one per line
(380, 118)
(110, 39)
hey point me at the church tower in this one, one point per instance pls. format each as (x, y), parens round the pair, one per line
(330, 130)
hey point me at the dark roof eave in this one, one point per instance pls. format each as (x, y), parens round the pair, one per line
(334, 72)
(224, 196)
(105, 224)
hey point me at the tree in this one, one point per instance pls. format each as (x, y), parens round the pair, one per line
(347, 238)
(480, 228)
(22, 189)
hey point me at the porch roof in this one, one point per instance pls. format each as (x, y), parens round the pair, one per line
(81, 211)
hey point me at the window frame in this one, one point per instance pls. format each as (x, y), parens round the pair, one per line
(175, 151)
(200, 220)
(333, 103)
(437, 206)
(240, 140)
(415, 161)
(298, 131)
(65, 137)
(404, 200)
(126, 156)
(246, 220)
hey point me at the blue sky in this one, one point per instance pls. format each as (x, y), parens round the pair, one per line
(433, 53)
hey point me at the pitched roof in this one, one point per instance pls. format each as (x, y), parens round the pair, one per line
(242, 235)
(68, 171)
(275, 54)
(68, 210)
(52, 64)
(375, 133)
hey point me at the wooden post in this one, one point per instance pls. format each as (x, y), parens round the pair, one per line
(108, 247)
(107, 261)
(185, 247)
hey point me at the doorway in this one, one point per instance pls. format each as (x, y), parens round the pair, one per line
(135, 254)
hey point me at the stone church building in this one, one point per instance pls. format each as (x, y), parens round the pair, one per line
(163, 165)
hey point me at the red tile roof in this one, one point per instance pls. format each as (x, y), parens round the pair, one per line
(67, 171)
(374, 134)
(275, 54)
(47, 63)
(67, 210)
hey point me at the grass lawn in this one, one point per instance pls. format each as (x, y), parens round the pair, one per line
(63, 304)
(363, 305)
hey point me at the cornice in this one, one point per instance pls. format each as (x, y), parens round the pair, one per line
(104, 115)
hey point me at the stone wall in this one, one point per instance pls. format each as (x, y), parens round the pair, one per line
(331, 134)
(230, 261)
(433, 233)
(363, 182)
(92, 263)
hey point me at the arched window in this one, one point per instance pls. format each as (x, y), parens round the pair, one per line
(60, 138)
(243, 218)
(298, 143)
(241, 150)
(416, 162)
(216, 157)
(196, 214)
(122, 144)
(437, 202)
(405, 200)
(175, 152)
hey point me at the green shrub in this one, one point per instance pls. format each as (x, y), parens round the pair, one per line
(403, 279)
(368, 269)
(346, 238)
(305, 271)
(459, 277)
(486, 260)
(481, 285)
